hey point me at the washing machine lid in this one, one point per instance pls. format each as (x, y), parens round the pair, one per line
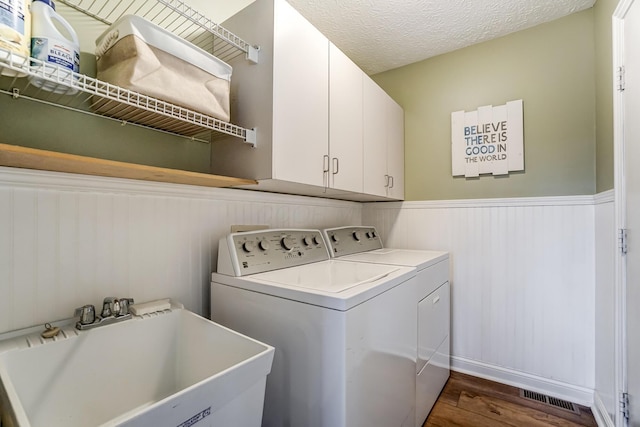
(404, 257)
(333, 277)
(338, 285)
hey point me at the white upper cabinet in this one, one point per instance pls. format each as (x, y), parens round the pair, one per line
(300, 98)
(375, 139)
(395, 150)
(345, 122)
(383, 127)
(309, 104)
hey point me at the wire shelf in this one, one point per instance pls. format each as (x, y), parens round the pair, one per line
(89, 95)
(174, 16)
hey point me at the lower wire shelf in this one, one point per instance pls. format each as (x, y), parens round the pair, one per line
(86, 94)
(31, 158)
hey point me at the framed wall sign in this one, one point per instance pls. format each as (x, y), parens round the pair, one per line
(488, 140)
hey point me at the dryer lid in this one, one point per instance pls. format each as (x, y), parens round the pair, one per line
(406, 257)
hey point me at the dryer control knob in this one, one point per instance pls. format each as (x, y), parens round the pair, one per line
(248, 246)
(264, 245)
(306, 240)
(369, 235)
(335, 238)
(287, 243)
(356, 235)
(316, 240)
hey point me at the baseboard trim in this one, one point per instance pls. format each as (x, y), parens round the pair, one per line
(600, 412)
(561, 390)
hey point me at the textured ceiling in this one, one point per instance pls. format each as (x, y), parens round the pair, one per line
(380, 35)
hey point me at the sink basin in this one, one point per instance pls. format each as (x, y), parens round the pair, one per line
(169, 369)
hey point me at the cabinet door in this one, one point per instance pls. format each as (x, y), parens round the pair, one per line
(375, 138)
(300, 98)
(345, 122)
(395, 150)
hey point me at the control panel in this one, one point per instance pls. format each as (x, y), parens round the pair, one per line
(352, 240)
(251, 252)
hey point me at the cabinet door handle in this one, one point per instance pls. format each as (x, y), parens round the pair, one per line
(336, 165)
(386, 181)
(436, 300)
(325, 171)
(390, 181)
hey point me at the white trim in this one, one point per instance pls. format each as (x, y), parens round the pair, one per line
(488, 203)
(30, 178)
(619, 185)
(604, 197)
(62, 181)
(559, 389)
(600, 412)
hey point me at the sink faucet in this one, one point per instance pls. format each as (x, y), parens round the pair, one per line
(113, 310)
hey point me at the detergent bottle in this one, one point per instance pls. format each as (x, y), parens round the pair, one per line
(15, 34)
(53, 41)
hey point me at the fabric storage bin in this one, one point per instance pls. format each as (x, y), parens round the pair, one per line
(136, 54)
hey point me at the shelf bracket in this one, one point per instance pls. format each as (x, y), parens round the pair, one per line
(253, 53)
(250, 137)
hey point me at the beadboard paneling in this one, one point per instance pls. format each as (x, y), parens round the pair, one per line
(526, 293)
(68, 240)
(605, 372)
(522, 275)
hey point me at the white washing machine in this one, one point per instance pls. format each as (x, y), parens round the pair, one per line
(363, 244)
(343, 332)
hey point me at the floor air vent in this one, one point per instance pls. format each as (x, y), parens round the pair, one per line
(548, 400)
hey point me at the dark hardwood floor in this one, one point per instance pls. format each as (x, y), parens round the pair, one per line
(468, 401)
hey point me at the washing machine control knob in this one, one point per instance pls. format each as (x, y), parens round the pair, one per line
(316, 240)
(335, 238)
(264, 245)
(248, 246)
(287, 243)
(306, 240)
(369, 235)
(357, 236)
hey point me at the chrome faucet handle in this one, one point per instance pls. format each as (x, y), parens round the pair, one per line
(124, 306)
(87, 314)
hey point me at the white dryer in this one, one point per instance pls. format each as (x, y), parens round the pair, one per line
(363, 244)
(343, 332)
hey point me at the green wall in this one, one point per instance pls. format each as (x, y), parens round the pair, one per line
(550, 66)
(603, 10)
(33, 124)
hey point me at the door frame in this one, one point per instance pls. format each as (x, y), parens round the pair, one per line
(620, 206)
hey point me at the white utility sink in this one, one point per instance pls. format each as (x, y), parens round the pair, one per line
(169, 369)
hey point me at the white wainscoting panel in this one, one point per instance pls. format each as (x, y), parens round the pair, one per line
(68, 240)
(605, 297)
(531, 278)
(522, 275)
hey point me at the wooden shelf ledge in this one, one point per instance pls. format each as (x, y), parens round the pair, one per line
(31, 158)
